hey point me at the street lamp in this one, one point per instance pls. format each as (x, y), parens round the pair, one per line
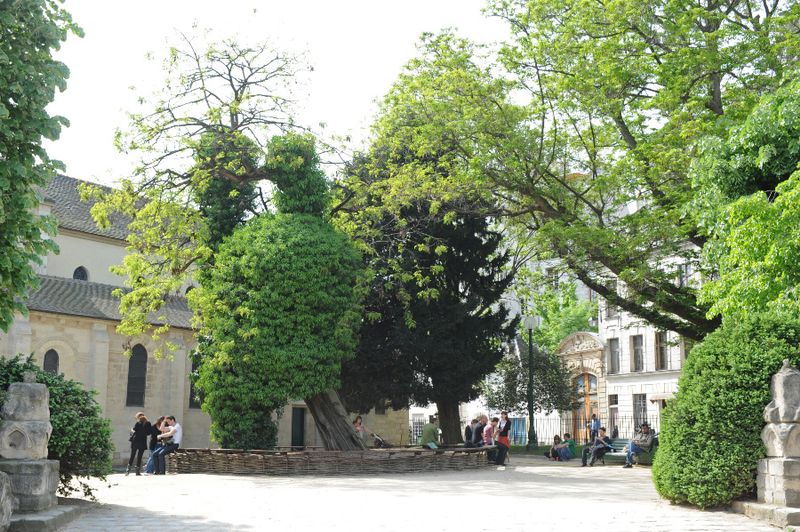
(530, 323)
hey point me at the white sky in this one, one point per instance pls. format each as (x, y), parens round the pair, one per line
(357, 49)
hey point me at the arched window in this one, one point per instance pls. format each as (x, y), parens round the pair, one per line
(137, 376)
(194, 398)
(188, 289)
(80, 274)
(51, 361)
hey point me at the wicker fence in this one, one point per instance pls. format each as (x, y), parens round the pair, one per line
(288, 463)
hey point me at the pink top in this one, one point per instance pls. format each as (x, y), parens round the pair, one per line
(488, 432)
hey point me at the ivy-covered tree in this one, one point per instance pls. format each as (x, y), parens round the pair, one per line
(30, 31)
(280, 310)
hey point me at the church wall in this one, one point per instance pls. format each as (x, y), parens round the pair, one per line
(97, 255)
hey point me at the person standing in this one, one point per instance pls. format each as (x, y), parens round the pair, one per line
(594, 427)
(503, 441)
(173, 436)
(138, 440)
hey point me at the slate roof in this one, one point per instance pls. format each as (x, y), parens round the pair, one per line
(95, 300)
(72, 213)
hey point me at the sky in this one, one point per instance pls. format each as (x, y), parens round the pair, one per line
(356, 48)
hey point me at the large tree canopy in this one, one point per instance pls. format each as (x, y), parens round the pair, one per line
(30, 31)
(585, 128)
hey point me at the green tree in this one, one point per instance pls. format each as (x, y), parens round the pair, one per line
(30, 31)
(750, 187)
(202, 167)
(585, 130)
(710, 440)
(81, 437)
(435, 325)
(562, 314)
(279, 310)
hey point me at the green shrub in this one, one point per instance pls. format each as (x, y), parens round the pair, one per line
(710, 433)
(81, 439)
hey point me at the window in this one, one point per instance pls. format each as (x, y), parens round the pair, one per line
(80, 274)
(637, 353)
(613, 355)
(417, 422)
(639, 409)
(194, 398)
(380, 408)
(137, 376)
(662, 351)
(613, 415)
(188, 289)
(684, 275)
(51, 361)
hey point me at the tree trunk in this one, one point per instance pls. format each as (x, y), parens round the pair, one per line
(332, 422)
(450, 422)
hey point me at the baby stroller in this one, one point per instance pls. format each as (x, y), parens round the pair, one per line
(379, 442)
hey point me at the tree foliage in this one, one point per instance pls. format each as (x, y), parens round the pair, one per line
(202, 144)
(81, 437)
(750, 188)
(30, 31)
(584, 128)
(280, 308)
(710, 438)
(562, 314)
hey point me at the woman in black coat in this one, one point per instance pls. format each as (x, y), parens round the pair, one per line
(138, 438)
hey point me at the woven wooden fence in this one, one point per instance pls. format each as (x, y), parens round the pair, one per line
(326, 463)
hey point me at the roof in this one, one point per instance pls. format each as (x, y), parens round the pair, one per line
(95, 300)
(72, 213)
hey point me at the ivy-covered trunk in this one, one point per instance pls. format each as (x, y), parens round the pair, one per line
(449, 422)
(332, 422)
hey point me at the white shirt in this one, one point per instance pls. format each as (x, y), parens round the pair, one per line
(177, 435)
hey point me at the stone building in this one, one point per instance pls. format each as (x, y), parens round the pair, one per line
(71, 329)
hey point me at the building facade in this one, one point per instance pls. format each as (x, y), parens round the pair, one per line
(71, 329)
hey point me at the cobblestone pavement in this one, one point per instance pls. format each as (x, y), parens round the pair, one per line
(531, 495)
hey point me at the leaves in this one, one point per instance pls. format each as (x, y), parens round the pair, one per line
(30, 30)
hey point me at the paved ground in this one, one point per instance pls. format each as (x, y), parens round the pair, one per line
(530, 495)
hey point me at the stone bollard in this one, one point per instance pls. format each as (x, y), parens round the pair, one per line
(24, 434)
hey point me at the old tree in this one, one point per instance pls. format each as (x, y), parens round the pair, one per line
(211, 152)
(583, 129)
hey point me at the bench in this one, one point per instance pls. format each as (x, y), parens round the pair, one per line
(643, 458)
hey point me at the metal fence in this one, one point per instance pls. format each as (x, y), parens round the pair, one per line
(547, 427)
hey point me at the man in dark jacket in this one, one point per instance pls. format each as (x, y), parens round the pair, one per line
(642, 442)
(599, 447)
(477, 432)
(468, 431)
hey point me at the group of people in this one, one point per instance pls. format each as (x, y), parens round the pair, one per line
(481, 431)
(165, 436)
(599, 444)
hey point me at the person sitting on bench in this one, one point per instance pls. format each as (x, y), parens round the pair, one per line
(599, 446)
(642, 442)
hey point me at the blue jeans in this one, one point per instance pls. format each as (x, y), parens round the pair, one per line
(150, 466)
(632, 450)
(564, 454)
(159, 457)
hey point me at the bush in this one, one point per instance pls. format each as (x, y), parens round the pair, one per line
(710, 438)
(81, 439)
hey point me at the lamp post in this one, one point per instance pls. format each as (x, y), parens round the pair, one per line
(530, 323)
